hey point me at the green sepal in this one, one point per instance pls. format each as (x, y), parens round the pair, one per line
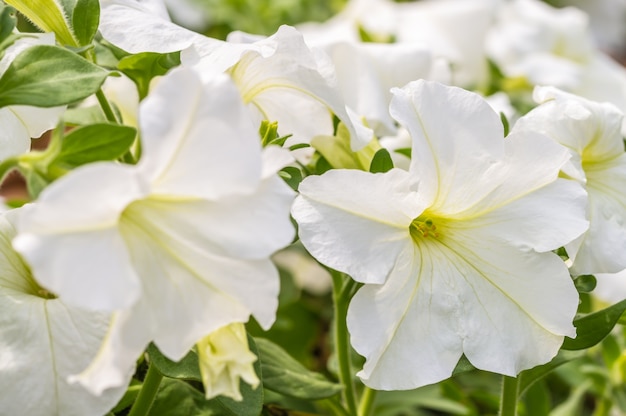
(594, 327)
(142, 67)
(381, 162)
(93, 143)
(85, 20)
(585, 283)
(405, 151)
(505, 124)
(282, 374)
(49, 76)
(35, 182)
(463, 366)
(8, 20)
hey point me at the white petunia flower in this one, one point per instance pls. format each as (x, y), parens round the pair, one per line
(176, 246)
(550, 46)
(43, 341)
(21, 122)
(591, 132)
(225, 359)
(455, 253)
(279, 77)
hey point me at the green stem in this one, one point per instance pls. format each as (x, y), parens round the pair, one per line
(367, 401)
(508, 400)
(341, 300)
(148, 392)
(106, 107)
(336, 407)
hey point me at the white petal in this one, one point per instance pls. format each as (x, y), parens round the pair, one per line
(407, 329)
(284, 62)
(71, 241)
(37, 120)
(198, 139)
(14, 137)
(506, 309)
(602, 247)
(456, 136)
(357, 222)
(189, 289)
(518, 307)
(43, 342)
(139, 27)
(545, 212)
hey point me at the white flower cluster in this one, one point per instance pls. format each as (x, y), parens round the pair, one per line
(455, 246)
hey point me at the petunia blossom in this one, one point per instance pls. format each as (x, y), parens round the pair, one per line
(225, 359)
(176, 246)
(592, 133)
(279, 77)
(43, 341)
(455, 252)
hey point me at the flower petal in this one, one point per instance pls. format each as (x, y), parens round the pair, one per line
(195, 133)
(456, 135)
(342, 226)
(71, 241)
(189, 287)
(43, 342)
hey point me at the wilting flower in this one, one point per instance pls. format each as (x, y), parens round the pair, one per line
(225, 359)
(591, 132)
(21, 122)
(43, 341)
(455, 253)
(176, 246)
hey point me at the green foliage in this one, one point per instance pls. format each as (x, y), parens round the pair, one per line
(142, 67)
(265, 16)
(93, 143)
(85, 20)
(585, 283)
(187, 368)
(381, 162)
(48, 76)
(284, 375)
(179, 398)
(592, 328)
(529, 377)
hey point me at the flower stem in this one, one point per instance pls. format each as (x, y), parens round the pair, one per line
(367, 401)
(106, 107)
(341, 299)
(508, 400)
(148, 392)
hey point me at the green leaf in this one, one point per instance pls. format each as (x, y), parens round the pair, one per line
(8, 20)
(95, 142)
(292, 176)
(592, 328)
(142, 67)
(381, 162)
(406, 151)
(585, 283)
(85, 20)
(284, 375)
(48, 76)
(177, 398)
(187, 368)
(528, 377)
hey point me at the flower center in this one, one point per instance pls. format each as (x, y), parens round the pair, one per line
(423, 227)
